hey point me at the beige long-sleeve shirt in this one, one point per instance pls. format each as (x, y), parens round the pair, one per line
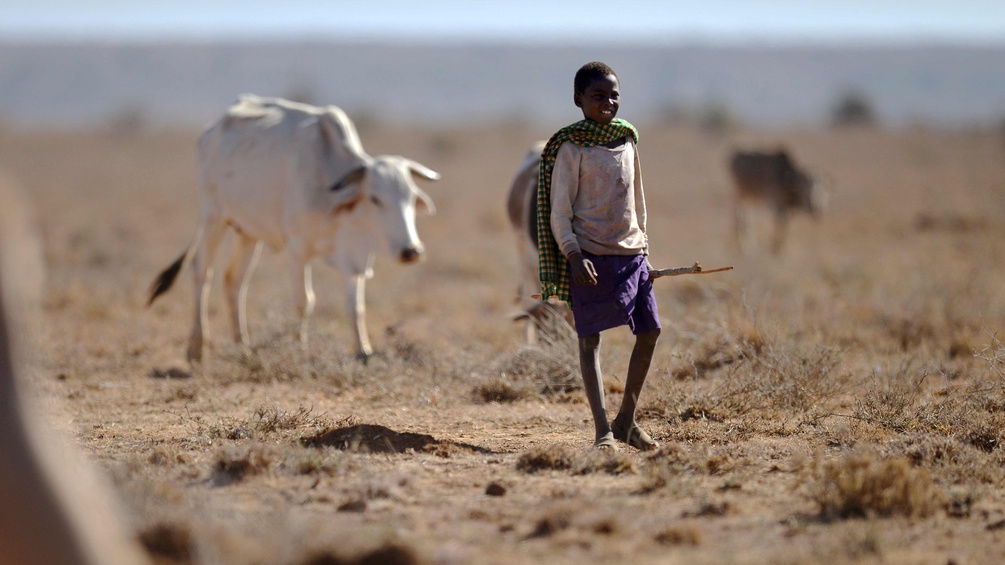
(597, 202)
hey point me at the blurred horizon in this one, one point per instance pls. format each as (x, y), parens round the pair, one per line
(72, 63)
(970, 22)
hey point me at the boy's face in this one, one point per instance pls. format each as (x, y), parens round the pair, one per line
(600, 100)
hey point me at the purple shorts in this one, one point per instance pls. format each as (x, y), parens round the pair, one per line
(622, 296)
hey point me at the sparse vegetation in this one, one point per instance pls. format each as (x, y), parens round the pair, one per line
(862, 485)
(842, 402)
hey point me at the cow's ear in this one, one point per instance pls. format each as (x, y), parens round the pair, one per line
(422, 170)
(423, 201)
(347, 190)
(347, 201)
(353, 176)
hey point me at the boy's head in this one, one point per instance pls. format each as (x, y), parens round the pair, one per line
(597, 92)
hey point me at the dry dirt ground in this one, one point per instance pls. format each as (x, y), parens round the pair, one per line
(842, 402)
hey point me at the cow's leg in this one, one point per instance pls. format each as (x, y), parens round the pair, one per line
(355, 305)
(202, 273)
(740, 225)
(781, 224)
(303, 292)
(235, 283)
(742, 233)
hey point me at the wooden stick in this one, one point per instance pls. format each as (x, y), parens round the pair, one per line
(695, 269)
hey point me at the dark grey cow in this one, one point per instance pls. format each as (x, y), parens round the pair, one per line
(775, 181)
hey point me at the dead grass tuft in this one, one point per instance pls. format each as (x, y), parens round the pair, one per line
(546, 458)
(391, 554)
(270, 422)
(612, 463)
(561, 458)
(169, 541)
(890, 397)
(672, 463)
(280, 359)
(551, 369)
(235, 463)
(779, 379)
(679, 536)
(863, 485)
(721, 349)
(551, 524)
(503, 390)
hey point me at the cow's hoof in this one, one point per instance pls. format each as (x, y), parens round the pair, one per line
(364, 356)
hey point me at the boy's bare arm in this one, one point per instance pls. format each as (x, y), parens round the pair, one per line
(582, 269)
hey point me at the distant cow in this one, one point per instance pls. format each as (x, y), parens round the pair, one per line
(772, 180)
(521, 208)
(54, 508)
(295, 177)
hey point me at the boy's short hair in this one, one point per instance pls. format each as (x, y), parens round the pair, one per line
(591, 72)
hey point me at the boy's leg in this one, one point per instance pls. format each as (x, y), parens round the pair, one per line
(638, 367)
(589, 363)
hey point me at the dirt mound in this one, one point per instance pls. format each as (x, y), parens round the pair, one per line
(374, 438)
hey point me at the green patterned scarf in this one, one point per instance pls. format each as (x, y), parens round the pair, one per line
(554, 272)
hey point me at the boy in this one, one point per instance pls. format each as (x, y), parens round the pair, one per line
(592, 225)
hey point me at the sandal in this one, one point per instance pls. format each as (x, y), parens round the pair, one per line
(634, 436)
(606, 443)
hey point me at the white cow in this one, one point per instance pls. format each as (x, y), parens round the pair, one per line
(521, 208)
(54, 507)
(295, 177)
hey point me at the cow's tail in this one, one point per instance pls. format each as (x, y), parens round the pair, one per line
(164, 280)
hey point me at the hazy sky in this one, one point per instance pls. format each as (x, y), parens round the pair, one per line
(967, 21)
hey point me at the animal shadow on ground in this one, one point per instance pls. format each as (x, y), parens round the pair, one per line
(374, 438)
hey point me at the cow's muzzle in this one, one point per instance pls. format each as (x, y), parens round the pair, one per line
(410, 254)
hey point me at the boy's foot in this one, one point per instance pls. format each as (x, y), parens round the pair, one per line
(633, 436)
(606, 443)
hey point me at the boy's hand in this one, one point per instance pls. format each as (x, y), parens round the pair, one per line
(583, 271)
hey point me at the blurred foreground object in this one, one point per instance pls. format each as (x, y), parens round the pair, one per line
(54, 509)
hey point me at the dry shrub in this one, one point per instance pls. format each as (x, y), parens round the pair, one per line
(863, 485)
(974, 414)
(777, 379)
(966, 417)
(552, 366)
(271, 421)
(890, 397)
(908, 332)
(994, 355)
(671, 462)
(722, 348)
(951, 459)
(268, 420)
(280, 358)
